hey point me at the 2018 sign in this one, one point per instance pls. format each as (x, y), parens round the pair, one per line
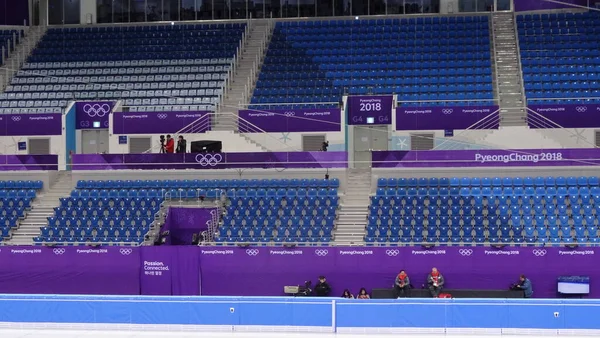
(365, 110)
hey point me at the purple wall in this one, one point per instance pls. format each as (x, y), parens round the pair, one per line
(534, 5)
(264, 271)
(14, 12)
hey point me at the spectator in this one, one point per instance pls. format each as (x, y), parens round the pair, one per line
(402, 284)
(435, 281)
(170, 147)
(347, 294)
(362, 294)
(525, 285)
(322, 289)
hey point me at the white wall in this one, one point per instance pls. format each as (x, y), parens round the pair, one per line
(88, 7)
(448, 6)
(293, 141)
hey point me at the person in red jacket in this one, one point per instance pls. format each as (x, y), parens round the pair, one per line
(170, 145)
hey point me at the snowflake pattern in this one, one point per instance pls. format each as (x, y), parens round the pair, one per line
(285, 137)
(578, 135)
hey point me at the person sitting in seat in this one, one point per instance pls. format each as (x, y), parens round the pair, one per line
(347, 294)
(322, 289)
(362, 294)
(435, 282)
(402, 284)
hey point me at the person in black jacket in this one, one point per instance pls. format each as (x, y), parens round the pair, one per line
(322, 289)
(181, 145)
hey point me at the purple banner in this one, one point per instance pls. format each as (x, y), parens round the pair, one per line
(320, 159)
(264, 271)
(369, 110)
(28, 162)
(536, 5)
(564, 116)
(291, 120)
(486, 158)
(30, 124)
(444, 118)
(92, 115)
(183, 223)
(160, 122)
(267, 270)
(70, 270)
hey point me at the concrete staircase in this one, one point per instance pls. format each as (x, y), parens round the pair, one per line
(42, 208)
(15, 60)
(235, 142)
(243, 81)
(352, 220)
(509, 78)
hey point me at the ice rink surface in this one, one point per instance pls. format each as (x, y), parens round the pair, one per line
(157, 334)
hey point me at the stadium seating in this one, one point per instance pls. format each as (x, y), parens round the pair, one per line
(121, 212)
(439, 58)
(152, 68)
(15, 200)
(478, 211)
(559, 55)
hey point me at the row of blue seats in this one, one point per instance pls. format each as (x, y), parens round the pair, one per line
(525, 30)
(352, 28)
(563, 16)
(273, 234)
(129, 56)
(37, 185)
(129, 43)
(270, 240)
(479, 220)
(381, 64)
(109, 202)
(83, 240)
(576, 93)
(592, 88)
(281, 211)
(478, 201)
(384, 22)
(390, 42)
(208, 184)
(147, 28)
(539, 181)
(482, 241)
(202, 52)
(340, 55)
(327, 216)
(489, 191)
(121, 212)
(402, 84)
(376, 74)
(433, 209)
(260, 222)
(558, 57)
(94, 231)
(66, 222)
(502, 233)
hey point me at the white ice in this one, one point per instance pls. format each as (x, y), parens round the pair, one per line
(159, 334)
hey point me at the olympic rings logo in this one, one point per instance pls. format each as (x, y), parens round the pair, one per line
(252, 252)
(581, 109)
(16, 118)
(289, 113)
(96, 109)
(126, 252)
(162, 116)
(58, 251)
(465, 252)
(209, 159)
(321, 252)
(392, 253)
(447, 111)
(539, 252)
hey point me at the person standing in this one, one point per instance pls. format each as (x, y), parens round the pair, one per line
(525, 285)
(170, 147)
(322, 289)
(402, 284)
(435, 281)
(181, 145)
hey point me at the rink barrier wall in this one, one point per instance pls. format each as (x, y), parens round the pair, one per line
(286, 314)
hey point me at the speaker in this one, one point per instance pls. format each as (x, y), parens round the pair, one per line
(206, 146)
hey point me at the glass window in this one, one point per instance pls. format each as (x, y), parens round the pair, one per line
(221, 9)
(239, 8)
(204, 10)
(307, 8)
(72, 12)
(153, 10)
(325, 7)
(188, 10)
(120, 10)
(273, 8)
(55, 12)
(104, 11)
(289, 8)
(376, 7)
(170, 10)
(360, 7)
(467, 6)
